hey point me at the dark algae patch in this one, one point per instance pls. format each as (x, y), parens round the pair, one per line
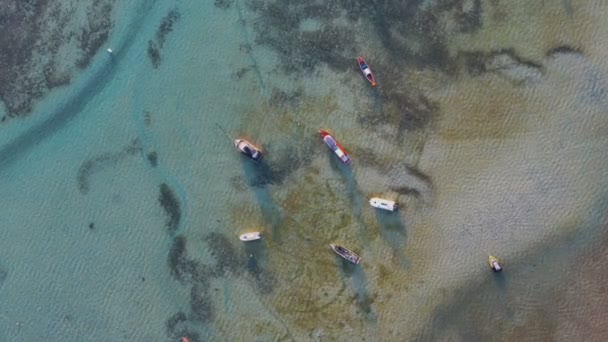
(200, 304)
(223, 4)
(177, 327)
(35, 36)
(155, 45)
(224, 253)
(170, 204)
(174, 321)
(177, 258)
(103, 162)
(152, 158)
(95, 34)
(198, 276)
(398, 24)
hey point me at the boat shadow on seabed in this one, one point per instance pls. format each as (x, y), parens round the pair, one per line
(392, 229)
(259, 175)
(356, 281)
(355, 196)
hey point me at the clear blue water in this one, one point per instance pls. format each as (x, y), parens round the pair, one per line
(124, 196)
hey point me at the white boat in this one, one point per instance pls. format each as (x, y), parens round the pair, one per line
(380, 203)
(250, 236)
(493, 261)
(248, 149)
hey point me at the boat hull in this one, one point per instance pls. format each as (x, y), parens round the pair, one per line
(494, 264)
(250, 236)
(367, 72)
(381, 203)
(345, 253)
(335, 146)
(248, 149)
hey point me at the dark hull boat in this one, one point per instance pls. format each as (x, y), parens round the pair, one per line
(345, 253)
(335, 146)
(367, 72)
(248, 149)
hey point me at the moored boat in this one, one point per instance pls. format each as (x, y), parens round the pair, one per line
(381, 203)
(367, 72)
(345, 253)
(250, 236)
(248, 149)
(493, 261)
(333, 144)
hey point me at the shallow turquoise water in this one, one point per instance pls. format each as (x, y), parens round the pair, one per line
(92, 242)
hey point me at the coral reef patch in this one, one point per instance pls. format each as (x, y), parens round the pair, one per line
(226, 258)
(152, 158)
(35, 36)
(171, 205)
(228, 261)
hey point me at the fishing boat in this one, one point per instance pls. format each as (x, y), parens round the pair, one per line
(367, 72)
(345, 253)
(381, 203)
(493, 261)
(248, 149)
(335, 146)
(250, 236)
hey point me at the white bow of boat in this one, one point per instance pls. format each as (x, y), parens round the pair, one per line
(250, 236)
(380, 203)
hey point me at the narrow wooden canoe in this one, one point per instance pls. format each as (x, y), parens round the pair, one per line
(367, 72)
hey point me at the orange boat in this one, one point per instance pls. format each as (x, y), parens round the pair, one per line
(367, 72)
(335, 146)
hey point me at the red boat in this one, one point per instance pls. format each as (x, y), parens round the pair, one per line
(335, 146)
(367, 72)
